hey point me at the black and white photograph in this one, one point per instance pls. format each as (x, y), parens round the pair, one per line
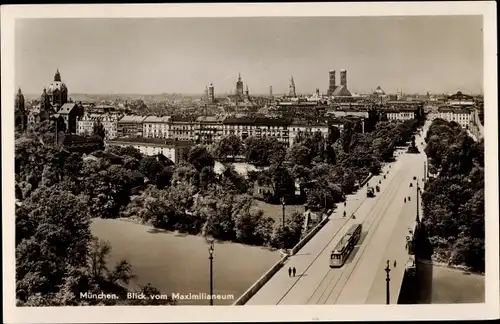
(296, 161)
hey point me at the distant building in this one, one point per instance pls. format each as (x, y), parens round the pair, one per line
(343, 78)
(291, 91)
(379, 92)
(331, 83)
(156, 127)
(460, 115)
(41, 112)
(182, 128)
(176, 151)
(57, 92)
(20, 115)
(239, 86)
(211, 93)
(70, 113)
(403, 110)
(130, 126)
(208, 129)
(109, 122)
(460, 99)
(306, 126)
(78, 143)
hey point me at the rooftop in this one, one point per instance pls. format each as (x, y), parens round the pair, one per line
(67, 108)
(155, 119)
(144, 140)
(132, 119)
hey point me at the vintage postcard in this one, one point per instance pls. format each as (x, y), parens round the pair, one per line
(249, 162)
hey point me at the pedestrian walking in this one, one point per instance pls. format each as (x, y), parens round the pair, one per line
(289, 271)
(394, 263)
(345, 203)
(294, 271)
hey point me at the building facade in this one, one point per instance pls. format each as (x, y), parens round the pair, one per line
(176, 151)
(109, 121)
(462, 116)
(70, 113)
(182, 128)
(406, 114)
(306, 126)
(130, 126)
(156, 127)
(208, 129)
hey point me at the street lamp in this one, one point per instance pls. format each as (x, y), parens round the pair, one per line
(418, 190)
(211, 258)
(283, 204)
(425, 171)
(387, 279)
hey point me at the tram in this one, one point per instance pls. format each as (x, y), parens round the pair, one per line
(341, 252)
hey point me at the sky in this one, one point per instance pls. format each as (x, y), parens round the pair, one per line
(414, 54)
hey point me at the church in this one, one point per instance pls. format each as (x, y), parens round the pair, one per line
(54, 105)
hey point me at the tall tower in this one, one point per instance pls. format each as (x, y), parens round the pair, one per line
(343, 78)
(332, 82)
(239, 86)
(211, 93)
(19, 111)
(270, 91)
(45, 106)
(247, 95)
(292, 92)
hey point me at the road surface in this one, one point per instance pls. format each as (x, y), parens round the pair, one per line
(386, 219)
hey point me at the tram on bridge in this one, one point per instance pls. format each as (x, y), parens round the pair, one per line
(344, 248)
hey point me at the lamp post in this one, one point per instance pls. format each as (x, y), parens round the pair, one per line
(283, 204)
(387, 279)
(211, 258)
(418, 190)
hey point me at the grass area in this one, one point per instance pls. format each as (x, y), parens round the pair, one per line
(276, 211)
(178, 263)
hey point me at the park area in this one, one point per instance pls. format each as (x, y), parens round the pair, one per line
(178, 263)
(276, 211)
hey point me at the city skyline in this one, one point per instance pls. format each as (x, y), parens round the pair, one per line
(150, 56)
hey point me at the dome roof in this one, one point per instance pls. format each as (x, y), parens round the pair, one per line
(57, 84)
(379, 91)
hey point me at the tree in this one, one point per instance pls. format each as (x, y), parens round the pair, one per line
(98, 129)
(230, 145)
(50, 239)
(264, 151)
(207, 177)
(186, 173)
(299, 155)
(151, 168)
(199, 157)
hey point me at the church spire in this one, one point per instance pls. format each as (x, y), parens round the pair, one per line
(57, 76)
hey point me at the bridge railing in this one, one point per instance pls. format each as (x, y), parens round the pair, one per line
(261, 282)
(308, 236)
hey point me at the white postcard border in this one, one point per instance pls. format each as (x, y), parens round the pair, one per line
(489, 309)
